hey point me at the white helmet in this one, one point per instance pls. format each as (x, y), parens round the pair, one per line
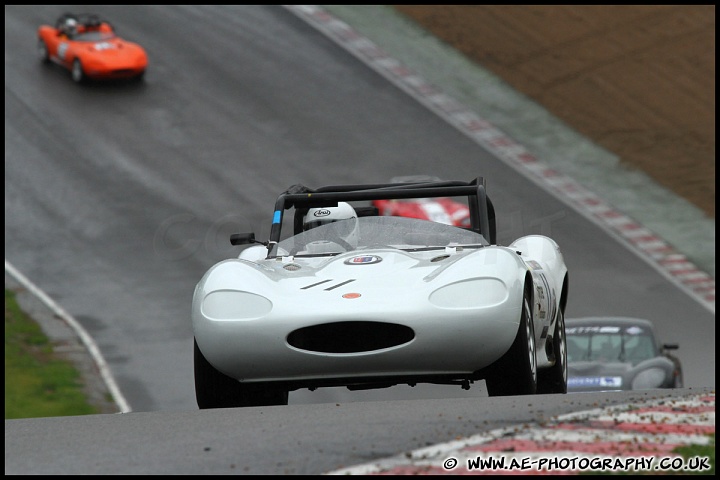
(343, 215)
(70, 26)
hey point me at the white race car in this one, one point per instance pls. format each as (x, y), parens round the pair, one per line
(361, 300)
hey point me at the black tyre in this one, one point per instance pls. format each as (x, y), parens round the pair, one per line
(214, 389)
(43, 51)
(554, 379)
(516, 372)
(77, 72)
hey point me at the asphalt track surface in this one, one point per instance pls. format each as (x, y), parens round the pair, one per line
(118, 197)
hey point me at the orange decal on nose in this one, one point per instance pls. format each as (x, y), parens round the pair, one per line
(351, 295)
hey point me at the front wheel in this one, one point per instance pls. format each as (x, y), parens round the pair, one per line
(214, 389)
(554, 379)
(78, 75)
(43, 51)
(516, 371)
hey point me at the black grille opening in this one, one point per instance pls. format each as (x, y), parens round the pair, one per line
(350, 337)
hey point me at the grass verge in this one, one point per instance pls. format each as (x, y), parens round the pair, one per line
(39, 382)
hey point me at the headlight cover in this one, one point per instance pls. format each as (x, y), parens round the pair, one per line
(235, 305)
(472, 293)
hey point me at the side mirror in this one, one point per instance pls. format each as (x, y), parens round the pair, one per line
(242, 238)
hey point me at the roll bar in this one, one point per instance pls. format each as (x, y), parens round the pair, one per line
(300, 197)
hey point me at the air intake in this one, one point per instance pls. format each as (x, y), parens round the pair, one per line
(350, 337)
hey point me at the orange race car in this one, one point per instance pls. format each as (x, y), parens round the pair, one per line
(88, 47)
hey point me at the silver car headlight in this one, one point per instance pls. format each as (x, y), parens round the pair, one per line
(473, 293)
(235, 305)
(648, 379)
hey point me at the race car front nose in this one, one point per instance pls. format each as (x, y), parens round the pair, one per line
(235, 305)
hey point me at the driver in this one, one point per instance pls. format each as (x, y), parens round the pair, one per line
(70, 27)
(343, 218)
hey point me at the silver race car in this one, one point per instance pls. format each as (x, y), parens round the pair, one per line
(618, 353)
(352, 298)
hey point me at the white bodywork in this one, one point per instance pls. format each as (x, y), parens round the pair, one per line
(455, 309)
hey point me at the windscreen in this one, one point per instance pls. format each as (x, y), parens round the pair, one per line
(610, 344)
(376, 232)
(93, 36)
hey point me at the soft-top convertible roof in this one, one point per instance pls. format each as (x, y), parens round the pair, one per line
(300, 197)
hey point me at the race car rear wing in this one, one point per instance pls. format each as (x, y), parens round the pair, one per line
(482, 212)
